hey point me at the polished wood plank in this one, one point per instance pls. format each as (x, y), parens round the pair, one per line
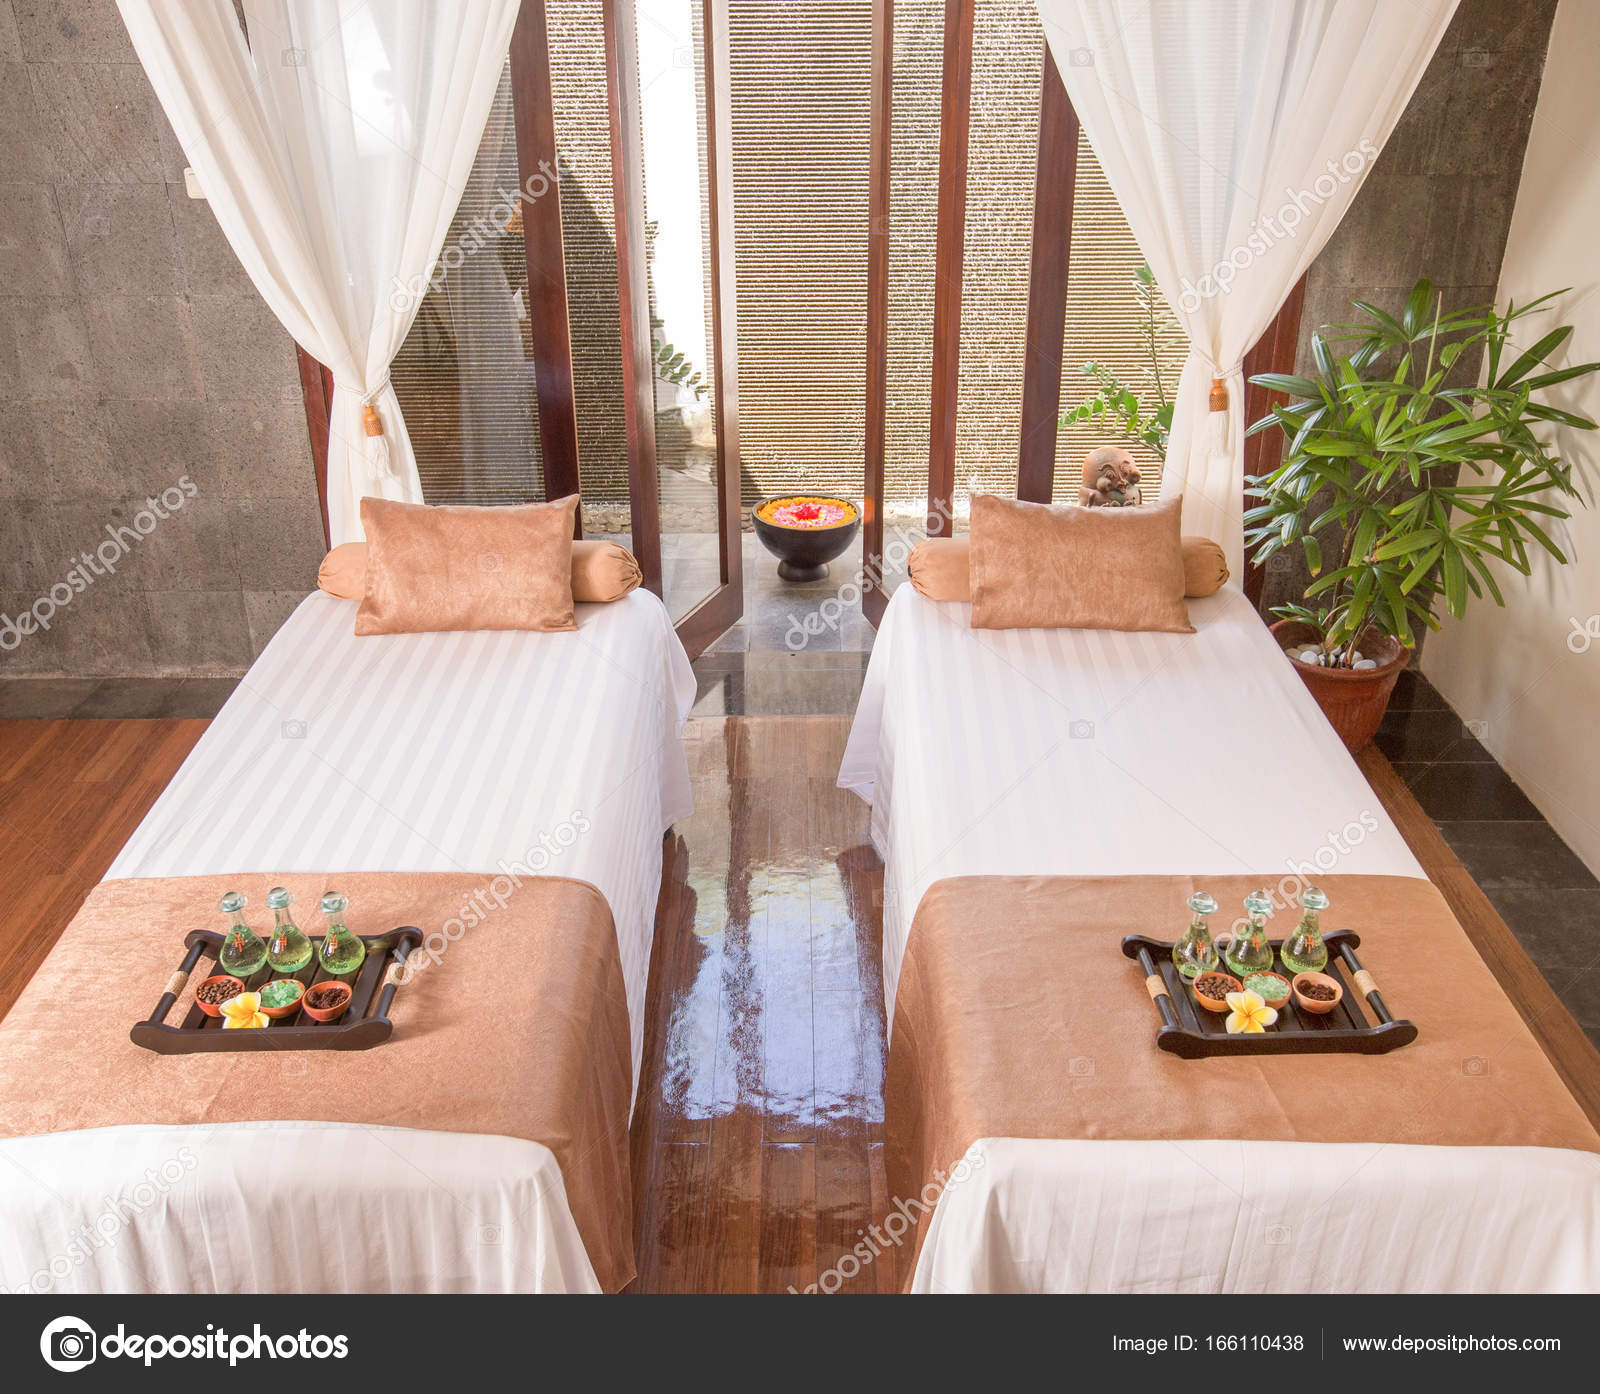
(633, 283)
(1054, 190)
(71, 793)
(316, 391)
(765, 1025)
(1273, 352)
(950, 233)
(880, 137)
(533, 116)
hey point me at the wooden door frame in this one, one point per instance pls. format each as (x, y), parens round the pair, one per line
(880, 153)
(724, 606)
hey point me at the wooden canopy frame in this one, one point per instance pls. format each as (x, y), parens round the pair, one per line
(533, 118)
(1054, 195)
(1050, 265)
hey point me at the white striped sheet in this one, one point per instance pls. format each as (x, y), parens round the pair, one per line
(1058, 1216)
(392, 1210)
(443, 752)
(1208, 757)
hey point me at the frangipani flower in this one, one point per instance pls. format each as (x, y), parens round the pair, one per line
(245, 1010)
(1250, 1013)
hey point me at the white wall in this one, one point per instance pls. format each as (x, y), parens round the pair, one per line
(1514, 669)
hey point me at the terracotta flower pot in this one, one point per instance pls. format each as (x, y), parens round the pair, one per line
(1353, 700)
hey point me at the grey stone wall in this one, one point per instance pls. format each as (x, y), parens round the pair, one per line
(133, 352)
(1438, 201)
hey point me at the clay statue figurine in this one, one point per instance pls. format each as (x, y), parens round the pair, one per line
(1110, 479)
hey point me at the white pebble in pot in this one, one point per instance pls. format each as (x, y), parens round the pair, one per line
(1367, 663)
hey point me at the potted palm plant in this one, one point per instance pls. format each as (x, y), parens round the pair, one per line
(1402, 480)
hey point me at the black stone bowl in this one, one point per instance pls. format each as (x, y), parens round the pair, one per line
(804, 553)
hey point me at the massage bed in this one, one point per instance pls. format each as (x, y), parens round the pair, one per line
(507, 792)
(1037, 794)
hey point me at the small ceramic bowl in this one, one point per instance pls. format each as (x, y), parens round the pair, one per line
(1272, 988)
(215, 1008)
(1310, 1004)
(1215, 1004)
(291, 990)
(339, 1007)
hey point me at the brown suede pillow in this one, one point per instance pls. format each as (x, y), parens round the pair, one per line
(940, 568)
(602, 571)
(1080, 568)
(432, 570)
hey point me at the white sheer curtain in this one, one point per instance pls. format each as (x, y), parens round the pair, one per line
(333, 148)
(1234, 133)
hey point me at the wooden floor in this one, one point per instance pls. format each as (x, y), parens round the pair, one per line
(757, 1142)
(71, 793)
(758, 1156)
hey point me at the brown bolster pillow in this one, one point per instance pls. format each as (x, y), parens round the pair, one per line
(434, 570)
(601, 571)
(940, 568)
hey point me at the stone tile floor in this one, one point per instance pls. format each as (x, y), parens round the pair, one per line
(1549, 898)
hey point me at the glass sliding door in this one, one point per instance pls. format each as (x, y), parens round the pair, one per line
(667, 81)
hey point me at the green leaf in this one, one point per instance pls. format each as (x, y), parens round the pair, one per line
(1313, 553)
(1528, 361)
(1286, 382)
(1416, 309)
(1404, 545)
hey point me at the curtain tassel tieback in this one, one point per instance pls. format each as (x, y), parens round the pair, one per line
(1217, 421)
(376, 448)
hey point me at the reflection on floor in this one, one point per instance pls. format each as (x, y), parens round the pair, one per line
(757, 1145)
(757, 1142)
(758, 1136)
